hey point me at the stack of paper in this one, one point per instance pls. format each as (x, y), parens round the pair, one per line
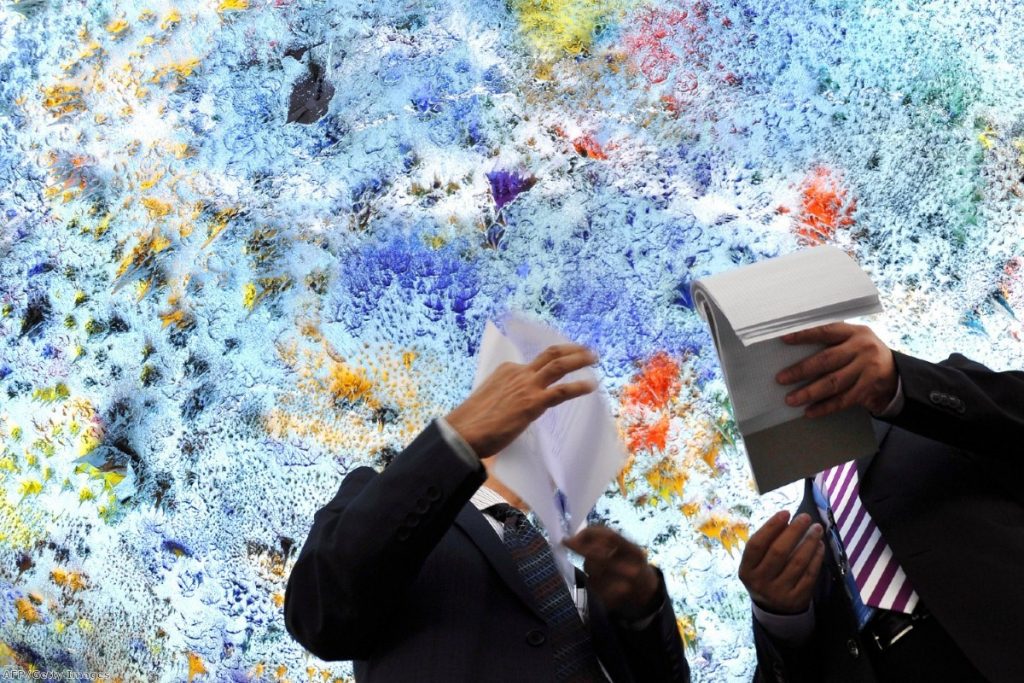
(748, 309)
(565, 460)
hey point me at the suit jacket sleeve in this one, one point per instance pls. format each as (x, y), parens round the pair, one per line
(655, 653)
(367, 546)
(962, 403)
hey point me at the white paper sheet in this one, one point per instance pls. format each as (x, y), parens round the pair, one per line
(564, 461)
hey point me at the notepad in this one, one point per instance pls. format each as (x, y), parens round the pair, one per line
(748, 309)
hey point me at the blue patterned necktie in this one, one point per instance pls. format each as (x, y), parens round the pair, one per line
(575, 661)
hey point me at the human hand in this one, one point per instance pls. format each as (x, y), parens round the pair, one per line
(856, 368)
(617, 572)
(781, 562)
(515, 395)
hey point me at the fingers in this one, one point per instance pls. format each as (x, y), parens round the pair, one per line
(600, 542)
(564, 363)
(761, 540)
(589, 537)
(780, 571)
(552, 352)
(561, 393)
(833, 383)
(617, 570)
(830, 334)
(827, 360)
(805, 584)
(796, 567)
(777, 556)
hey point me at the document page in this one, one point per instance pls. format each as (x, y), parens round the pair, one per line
(564, 461)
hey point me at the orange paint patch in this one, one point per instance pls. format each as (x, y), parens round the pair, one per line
(587, 146)
(825, 206)
(648, 436)
(690, 509)
(196, 667)
(27, 612)
(656, 385)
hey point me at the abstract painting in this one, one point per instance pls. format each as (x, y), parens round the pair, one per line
(249, 245)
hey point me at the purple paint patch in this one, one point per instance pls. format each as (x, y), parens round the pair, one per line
(507, 185)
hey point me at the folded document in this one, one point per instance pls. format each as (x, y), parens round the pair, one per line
(748, 309)
(565, 460)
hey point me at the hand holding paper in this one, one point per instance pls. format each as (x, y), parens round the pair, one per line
(856, 369)
(750, 311)
(513, 395)
(565, 458)
(617, 572)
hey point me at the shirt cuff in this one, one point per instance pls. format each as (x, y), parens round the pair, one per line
(794, 629)
(895, 406)
(457, 443)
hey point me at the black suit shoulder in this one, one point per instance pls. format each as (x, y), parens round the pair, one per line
(367, 545)
(962, 403)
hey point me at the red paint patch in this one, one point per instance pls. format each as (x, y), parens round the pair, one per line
(649, 43)
(825, 207)
(648, 436)
(587, 146)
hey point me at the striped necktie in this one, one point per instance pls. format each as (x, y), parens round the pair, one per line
(575, 661)
(880, 580)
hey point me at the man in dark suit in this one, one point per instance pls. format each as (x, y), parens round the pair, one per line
(940, 507)
(419, 573)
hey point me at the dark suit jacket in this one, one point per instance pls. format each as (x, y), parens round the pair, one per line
(945, 488)
(403, 575)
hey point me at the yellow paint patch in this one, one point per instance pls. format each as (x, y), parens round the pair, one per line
(196, 667)
(232, 5)
(117, 26)
(667, 479)
(729, 532)
(156, 207)
(58, 392)
(220, 222)
(687, 631)
(563, 27)
(27, 612)
(172, 19)
(62, 99)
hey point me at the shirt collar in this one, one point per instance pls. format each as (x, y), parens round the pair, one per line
(485, 498)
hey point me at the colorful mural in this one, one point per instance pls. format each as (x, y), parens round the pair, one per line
(248, 245)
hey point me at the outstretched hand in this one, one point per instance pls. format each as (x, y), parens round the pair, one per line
(515, 395)
(856, 369)
(617, 572)
(781, 562)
